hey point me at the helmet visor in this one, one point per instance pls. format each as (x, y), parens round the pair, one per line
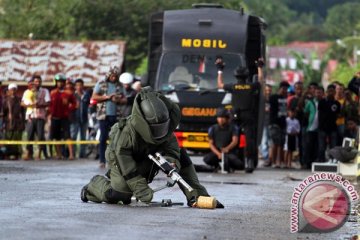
(159, 130)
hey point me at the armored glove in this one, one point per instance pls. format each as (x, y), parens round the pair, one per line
(141, 189)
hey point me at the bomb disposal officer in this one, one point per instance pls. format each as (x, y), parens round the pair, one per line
(244, 101)
(149, 129)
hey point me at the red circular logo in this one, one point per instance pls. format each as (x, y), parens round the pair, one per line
(325, 206)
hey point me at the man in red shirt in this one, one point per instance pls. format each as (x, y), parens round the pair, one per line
(62, 103)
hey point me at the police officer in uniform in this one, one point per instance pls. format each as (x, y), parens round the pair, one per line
(245, 95)
(149, 129)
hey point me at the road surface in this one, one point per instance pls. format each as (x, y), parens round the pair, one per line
(40, 200)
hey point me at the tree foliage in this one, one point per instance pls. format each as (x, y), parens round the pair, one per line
(288, 20)
(276, 14)
(344, 73)
(343, 20)
(310, 74)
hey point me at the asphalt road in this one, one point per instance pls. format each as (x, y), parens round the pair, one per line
(40, 200)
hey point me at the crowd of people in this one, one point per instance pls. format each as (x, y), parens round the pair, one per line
(307, 120)
(298, 119)
(63, 113)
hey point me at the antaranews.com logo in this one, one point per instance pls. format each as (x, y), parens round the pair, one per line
(321, 203)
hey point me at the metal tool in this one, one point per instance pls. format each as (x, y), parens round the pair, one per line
(169, 170)
(166, 203)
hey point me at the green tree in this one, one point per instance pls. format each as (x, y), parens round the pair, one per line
(277, 16)
(45, 19)
(342, 20)
(304, 29)
(310, 74)
(344, 73)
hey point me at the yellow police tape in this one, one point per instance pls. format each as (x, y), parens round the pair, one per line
(10, 142)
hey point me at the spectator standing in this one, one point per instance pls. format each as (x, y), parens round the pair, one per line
(277, 128)
(35, 99)
(13, 119)
(265, 140)
(245, 95)
(340, 121)
(307, 96)
(126, 79)
(62, 104)
(351, 107)
(329, 110)
(311, 136)
(80, 115)
(223, 139)
(298, 105)
(354, 84)
(292, 131)
(109, 96)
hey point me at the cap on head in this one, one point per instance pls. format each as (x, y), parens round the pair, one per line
(60, 77)
(241, 72)
(222, 112)
(12, 86)
(156, 114)
(126, 78)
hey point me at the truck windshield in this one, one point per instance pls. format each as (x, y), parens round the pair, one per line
(194, 71)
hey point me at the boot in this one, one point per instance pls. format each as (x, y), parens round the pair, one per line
(249, 165)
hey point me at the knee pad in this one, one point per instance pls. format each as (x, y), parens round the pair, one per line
(114, 197)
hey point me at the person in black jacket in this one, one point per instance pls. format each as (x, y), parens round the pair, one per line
(328, 110)
(354, 84)
(223, 139)
(245, 95)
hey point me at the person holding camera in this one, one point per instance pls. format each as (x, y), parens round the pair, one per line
(244, 104)
(109, 96)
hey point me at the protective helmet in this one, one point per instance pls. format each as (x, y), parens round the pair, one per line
(241, 72)
(60, 77)
(157, 116)
(126, 78)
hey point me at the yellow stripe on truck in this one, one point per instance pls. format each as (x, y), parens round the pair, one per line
(193, 140)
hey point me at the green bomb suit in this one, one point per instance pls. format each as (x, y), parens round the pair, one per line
(131, 140)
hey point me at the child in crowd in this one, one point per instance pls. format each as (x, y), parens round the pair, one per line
(292, 130)
(29, 98)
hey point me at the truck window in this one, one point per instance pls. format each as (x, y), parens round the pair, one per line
(194, 71)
